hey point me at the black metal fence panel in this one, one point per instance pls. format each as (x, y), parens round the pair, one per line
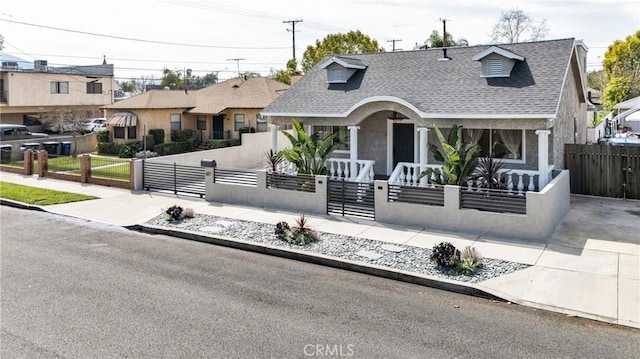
(235, 177)
(346, 198)
(432, 196)
(165, 176)
(493, 201)
(302, 183)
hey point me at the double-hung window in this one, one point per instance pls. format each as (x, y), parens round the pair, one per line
(261, 123)
(238, 120)
(176, 122)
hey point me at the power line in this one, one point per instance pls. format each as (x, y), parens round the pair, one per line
(142, 40)
(293, 33)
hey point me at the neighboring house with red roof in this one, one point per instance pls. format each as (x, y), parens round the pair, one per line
(214, 112)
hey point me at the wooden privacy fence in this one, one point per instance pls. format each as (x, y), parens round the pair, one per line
(604, 170)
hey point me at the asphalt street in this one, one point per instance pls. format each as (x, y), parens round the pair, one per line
(78, 289)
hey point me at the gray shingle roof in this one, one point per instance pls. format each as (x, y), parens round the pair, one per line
(437, 87)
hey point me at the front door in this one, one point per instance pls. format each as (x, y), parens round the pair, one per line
(403, 143)
(218, 127)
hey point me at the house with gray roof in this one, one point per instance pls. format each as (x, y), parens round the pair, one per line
(520, 102)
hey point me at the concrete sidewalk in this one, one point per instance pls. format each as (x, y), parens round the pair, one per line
(590, 267)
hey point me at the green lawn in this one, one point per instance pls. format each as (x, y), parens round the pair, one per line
(38, 196)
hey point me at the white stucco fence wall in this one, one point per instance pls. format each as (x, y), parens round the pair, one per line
(250, 155)
(545, 209)
(263, 197)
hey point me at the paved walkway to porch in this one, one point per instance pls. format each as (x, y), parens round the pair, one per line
(590, 267)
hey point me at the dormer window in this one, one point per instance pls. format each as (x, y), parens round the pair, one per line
(340, 69)
(497, 62)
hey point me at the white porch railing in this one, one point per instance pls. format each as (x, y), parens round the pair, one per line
(406, 174)
(338, 168)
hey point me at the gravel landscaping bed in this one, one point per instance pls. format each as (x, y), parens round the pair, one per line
(396, 256)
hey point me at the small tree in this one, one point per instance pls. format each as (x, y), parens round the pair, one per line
(459, 159)
(308, 153)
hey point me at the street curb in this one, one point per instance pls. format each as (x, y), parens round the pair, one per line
(21, 205)
(315, 258)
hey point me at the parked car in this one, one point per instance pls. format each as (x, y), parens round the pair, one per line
(93, 125)
(18, 132)
(52, 127)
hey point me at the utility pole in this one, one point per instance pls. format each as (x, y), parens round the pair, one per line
(293, 32)
(237, 60)
(444, 32)
(393, 46)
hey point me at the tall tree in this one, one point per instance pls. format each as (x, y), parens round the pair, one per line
(172, 79)
(618, 90)
(435, 40)
(622, 63)
(1, 42)
(127, 86)
(284, 76)
(514, 25)
(353, 42)
(597, 79)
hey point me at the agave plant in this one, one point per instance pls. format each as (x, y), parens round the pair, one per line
(308, 153)
(272, 160)
(487, 174)
(459, 159)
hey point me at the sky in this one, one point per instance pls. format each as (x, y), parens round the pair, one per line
(142, 37)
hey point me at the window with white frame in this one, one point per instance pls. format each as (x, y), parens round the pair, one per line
(507, 144)
(341, 139)
(176, 122)
(238, 121)
(261, 123)
(61, 87)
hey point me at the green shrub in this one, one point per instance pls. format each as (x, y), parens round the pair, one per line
(102, 136)
(158, 135)
(108, 148)
(129, 149)
(177, 213)
(181, 135)
(149, 141)
(173, 148)
(445, 254)
(300, 235)
(213, 144)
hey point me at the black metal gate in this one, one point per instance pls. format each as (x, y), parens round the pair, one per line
(348, 198)
(165, 176)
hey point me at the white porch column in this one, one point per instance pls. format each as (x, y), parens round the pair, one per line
(543, 158)
(424, 153)
(353, 150)
(274, 138)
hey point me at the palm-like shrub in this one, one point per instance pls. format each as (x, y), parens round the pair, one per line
(273, 160)
(487, 174)
(459, 159)
(299, 235)
(308, 153)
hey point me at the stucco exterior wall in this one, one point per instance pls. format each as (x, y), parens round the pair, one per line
(570, 113)
(34, 89)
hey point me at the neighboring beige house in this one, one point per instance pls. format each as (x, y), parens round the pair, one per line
(215, 112)
(27, 91)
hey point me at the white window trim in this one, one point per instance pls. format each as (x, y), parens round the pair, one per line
(347, 151)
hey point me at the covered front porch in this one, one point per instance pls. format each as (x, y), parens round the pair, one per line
(390, 145)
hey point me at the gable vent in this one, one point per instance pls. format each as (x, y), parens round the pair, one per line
(335, 75)
(494, 67)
